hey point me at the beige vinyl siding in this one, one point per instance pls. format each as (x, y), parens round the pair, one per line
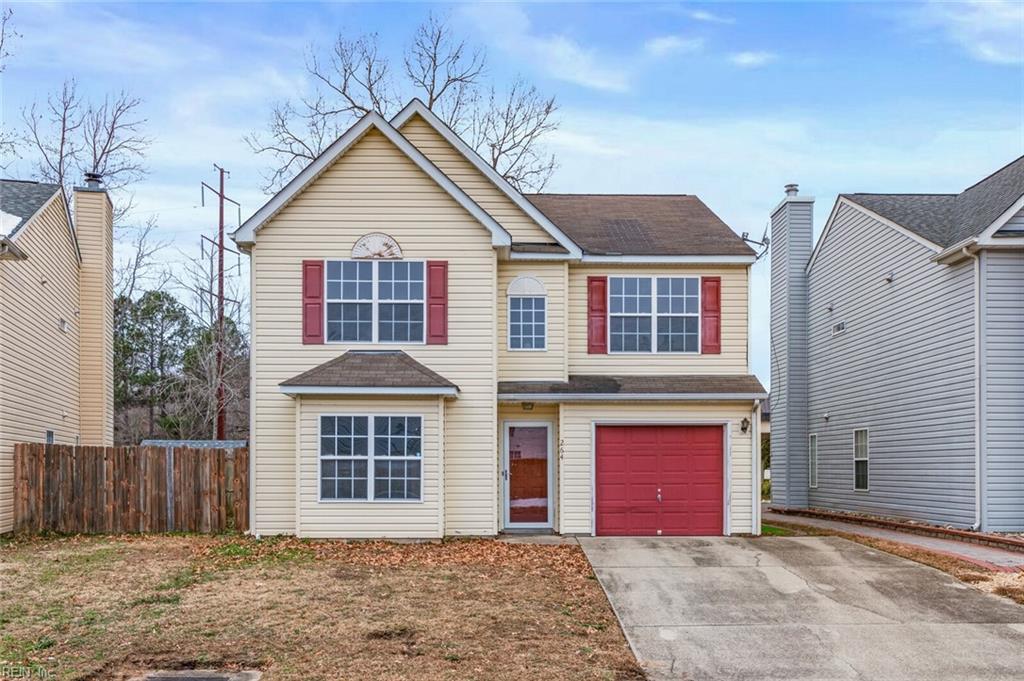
(549, 364)
(473, 182)
(39, 379)
(732, 360)
(94, 226)
(375, 187)
(515, 411)
(362, 519)
(576, 428)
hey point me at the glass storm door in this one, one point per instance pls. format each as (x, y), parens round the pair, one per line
(528, 471)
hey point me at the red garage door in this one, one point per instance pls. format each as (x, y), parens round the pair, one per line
(659, 480)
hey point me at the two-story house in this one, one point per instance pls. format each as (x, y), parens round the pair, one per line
(898, 355)
(56, 321)
(435, 353)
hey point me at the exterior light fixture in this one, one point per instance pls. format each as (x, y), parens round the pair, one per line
(745, 424)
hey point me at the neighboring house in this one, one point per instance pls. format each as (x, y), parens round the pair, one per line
(434, 353)
(56, 321)
(898, 355)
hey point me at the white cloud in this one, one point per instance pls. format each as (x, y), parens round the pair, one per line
(665, 45)
(710, 17)
(560, 56)
(990, 30)
(70, 37)
(752, 60)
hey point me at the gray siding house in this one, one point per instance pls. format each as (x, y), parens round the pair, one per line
(898, 355)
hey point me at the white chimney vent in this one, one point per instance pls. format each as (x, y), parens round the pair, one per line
(792, 189)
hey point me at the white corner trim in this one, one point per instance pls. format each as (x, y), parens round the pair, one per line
(629, 397)
(672, 259)
(246, 234)
(417, 107)
(845, 201)
(339, 390)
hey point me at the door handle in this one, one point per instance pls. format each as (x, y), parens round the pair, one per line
(659, 496)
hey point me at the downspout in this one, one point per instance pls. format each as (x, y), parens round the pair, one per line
(757, 474)
(977, 386)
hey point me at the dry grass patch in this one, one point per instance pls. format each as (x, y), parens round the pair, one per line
(104, 608)
(1008, 584)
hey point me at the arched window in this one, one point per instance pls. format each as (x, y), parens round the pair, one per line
(527, 314)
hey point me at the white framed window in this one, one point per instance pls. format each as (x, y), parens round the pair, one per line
(375, 301)
(527, 315)
(838, 328)
(812, 460)
(860, 460)
(527, 323)
(49, 437)
(654, 314)
(370, 458)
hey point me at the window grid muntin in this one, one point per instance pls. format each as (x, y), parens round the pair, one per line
(409, 433)
(517, 321)
(375, 301)
(861, 455)
(617, 293)
(812, 460)
(346, 441)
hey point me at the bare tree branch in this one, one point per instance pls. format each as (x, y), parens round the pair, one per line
(354, 78)
(8, 138)
(138, 267)
(113, 142)
(507, 132)
(444, 70)
(52, 132)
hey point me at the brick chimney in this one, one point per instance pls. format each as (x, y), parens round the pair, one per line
(95, 231)
(791, 243)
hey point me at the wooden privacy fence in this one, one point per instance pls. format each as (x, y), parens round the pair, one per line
(62, 488)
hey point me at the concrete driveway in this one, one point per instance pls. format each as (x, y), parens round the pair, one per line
(798, 608)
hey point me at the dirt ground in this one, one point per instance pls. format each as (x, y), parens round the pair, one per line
(106, 608)
(1008, 584)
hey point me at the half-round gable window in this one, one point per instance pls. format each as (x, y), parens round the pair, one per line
(527, 314)
(526, 286)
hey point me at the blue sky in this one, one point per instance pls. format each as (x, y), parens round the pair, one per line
(726, 101)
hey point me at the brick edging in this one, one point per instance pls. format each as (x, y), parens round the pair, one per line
(1008, 543)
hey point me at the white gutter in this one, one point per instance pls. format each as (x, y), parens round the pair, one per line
(336, 390)
(628, 397)
(672, 259)
(977, 386)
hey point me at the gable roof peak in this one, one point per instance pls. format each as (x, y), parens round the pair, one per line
(416, 107)
(246, 234)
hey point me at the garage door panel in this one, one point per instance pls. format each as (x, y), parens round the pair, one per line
(634, 463)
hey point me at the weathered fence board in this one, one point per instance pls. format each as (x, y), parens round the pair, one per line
(130, 489)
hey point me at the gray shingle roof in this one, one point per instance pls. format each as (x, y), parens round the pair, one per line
(637, 385)
(20, 199)
(948, 219)
(370, 369)
(636, 224)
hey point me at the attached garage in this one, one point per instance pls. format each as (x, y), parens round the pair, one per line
(666, 480)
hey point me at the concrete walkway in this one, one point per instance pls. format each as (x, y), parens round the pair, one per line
(986, 556)
(801, 609)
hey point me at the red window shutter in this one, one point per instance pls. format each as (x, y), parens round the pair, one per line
(437, 302)
(597, 315)
(711, 315)
(312, 302)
